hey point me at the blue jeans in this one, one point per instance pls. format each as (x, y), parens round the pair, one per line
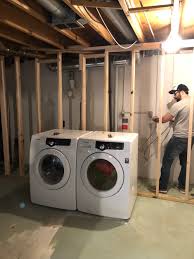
(175, 147)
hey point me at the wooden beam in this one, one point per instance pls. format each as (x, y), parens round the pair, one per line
(149, 8)
(4, 118)
(21, 21)
(60, 91)
(189, 145)
(166, 197)
(66, 32)
(18, 37)
(126, 4)
(132, 91)
(159, 125)
(83, 104)
(96, 4)
(106, 90)
(19, 117)
(38, 95)
(94, 23)
(48, 61)
(100, 55)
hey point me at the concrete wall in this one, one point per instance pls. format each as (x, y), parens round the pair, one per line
(178, 69)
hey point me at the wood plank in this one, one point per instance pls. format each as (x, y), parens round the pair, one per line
(18, 37)
(83, 104)
(106, 90)
(189, 145)
(132, 91)
(60, 90)
(94, 23)
(159, 125)
(100, 55)
(4, 118)
(38, 95)
(96, 4)
(66, 32)
(166, 197)
(149, 8)
(48, 61)
(19, 117)
(131, 17)
(21, 21)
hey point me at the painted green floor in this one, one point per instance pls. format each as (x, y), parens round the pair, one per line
(157, 230)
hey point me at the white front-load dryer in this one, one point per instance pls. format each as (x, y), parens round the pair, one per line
(53, 168)
(107, 173)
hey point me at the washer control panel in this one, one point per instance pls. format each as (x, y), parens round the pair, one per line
(51, 142)
(109, 145)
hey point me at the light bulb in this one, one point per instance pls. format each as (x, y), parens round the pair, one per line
(172, 44)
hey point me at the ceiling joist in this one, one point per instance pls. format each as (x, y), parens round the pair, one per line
(94, 23)
(96, 4)
(149, 8)
(41, 18)
(126, 5)
(18, 37)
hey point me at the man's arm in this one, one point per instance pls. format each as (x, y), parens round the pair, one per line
(167, 117)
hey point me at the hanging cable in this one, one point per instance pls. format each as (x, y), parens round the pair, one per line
(123, 47)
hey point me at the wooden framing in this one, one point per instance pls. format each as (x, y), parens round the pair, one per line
(16, 18)
(83, 105)
(60, 90)
(19, 117)
(20, 4)
(131, 17)
(96, 4)
(159, 125)
(106, 90)
(189, 145)
(4, 118)
(97, 26)
(132, 91)
(38, 95)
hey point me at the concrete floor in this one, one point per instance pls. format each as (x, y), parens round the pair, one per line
(157, 230)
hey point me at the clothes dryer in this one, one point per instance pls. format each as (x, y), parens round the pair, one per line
(107, 173)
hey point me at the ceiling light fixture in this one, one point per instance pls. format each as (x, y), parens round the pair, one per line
(174, 41)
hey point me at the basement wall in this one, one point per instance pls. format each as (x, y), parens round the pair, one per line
(177, 70)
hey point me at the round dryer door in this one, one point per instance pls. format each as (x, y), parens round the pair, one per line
(52, 168)
(102, 175)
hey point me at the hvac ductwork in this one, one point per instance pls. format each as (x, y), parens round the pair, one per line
(58, 9)
(120, 22)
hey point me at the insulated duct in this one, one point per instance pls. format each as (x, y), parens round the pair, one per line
(122, 25)
(57, 9)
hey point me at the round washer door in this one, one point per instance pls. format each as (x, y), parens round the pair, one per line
(102, 175)
(52, 169)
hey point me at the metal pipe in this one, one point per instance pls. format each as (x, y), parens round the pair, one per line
(57, 9)
(119, 22)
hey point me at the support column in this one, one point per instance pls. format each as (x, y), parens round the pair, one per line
(60, 90)
(4, 118)
(19, 117)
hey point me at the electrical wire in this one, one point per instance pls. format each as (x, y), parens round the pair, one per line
(154, 140)
(123, 47)
(88, 12)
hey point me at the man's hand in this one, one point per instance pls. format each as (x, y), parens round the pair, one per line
(155, 119)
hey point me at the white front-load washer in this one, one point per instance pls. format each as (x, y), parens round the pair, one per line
(107, 173)
(53, 168)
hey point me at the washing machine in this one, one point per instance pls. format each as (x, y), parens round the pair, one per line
(107, 173)
(53, 168)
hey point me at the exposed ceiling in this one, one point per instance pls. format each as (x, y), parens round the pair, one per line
(62, 24)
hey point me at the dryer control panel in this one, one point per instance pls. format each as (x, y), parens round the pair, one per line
(109, 145)
(51, 142)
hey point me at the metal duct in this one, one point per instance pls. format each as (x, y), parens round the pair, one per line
(115, 16)
(57, 9)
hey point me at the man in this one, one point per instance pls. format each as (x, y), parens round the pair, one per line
(177, 145)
